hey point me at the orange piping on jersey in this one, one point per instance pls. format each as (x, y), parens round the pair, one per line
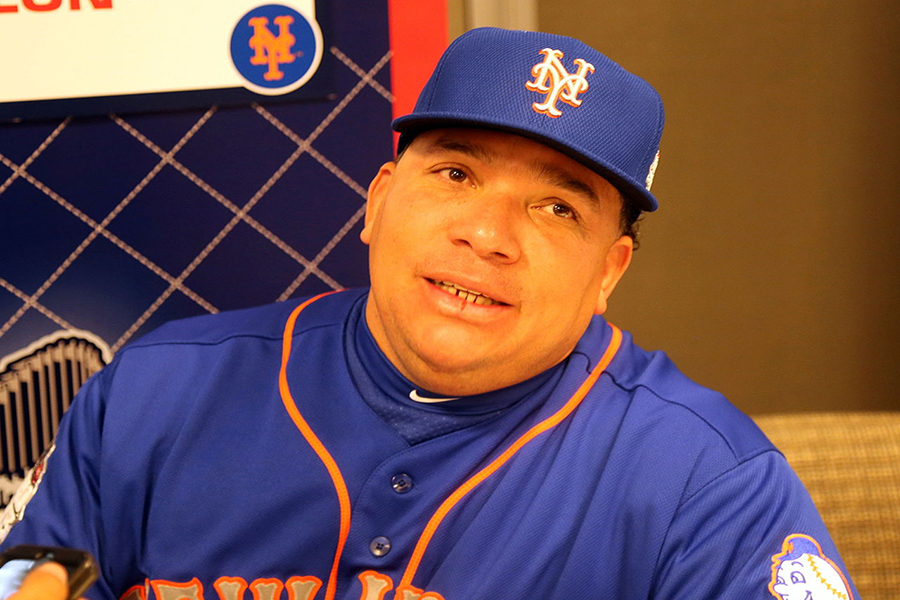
(498, 462)
(339, 485)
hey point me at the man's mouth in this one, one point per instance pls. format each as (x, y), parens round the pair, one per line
(466, 294)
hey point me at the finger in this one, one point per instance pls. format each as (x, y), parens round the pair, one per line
(46, 582)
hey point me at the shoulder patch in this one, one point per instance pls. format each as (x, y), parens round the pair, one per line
(801, 570)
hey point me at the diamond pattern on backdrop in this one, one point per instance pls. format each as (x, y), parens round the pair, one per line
(117, 224)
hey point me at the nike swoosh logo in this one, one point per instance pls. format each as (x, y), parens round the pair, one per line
(415, 397)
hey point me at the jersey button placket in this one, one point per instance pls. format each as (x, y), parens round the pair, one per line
(401, 483)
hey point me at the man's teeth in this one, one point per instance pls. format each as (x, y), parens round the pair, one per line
(465, 294)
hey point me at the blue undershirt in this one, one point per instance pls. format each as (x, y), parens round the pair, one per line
(387, 391)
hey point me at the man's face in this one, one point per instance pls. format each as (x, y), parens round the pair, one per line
(489, 253)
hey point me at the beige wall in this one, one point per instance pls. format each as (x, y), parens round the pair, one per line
(771, 270)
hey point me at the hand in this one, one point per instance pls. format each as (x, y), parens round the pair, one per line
(49, 581)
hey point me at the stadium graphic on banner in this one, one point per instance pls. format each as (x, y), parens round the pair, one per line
(37, 385)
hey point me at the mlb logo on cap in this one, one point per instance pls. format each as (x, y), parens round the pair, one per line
(551, 88)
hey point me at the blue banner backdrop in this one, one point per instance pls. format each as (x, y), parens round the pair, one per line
(115, 224)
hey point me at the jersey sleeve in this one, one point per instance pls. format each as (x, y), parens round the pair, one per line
(59, 504)
(751, 532)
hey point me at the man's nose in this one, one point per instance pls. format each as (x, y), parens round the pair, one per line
(489, 225)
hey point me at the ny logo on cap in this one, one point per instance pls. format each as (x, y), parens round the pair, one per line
(552, 78)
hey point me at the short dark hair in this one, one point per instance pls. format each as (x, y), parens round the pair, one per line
(629, 219)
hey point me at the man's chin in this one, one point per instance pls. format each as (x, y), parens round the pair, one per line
(454, 371)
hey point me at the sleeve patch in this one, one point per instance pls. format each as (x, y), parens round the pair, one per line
(801, 570)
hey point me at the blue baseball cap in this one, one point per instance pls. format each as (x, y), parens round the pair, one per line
(553, 89)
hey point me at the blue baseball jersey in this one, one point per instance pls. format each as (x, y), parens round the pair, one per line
(251, 454)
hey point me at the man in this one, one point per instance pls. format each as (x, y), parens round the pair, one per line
(470, 427)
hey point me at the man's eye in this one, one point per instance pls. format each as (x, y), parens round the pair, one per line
(457, 175)
(561, 210)
(558, 209)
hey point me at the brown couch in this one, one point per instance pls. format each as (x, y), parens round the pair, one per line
(850, 463)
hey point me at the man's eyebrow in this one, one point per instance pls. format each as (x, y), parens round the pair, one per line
(560, 178)
(552, 175)
(450, 144)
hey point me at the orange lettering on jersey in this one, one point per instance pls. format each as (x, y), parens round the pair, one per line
(266, 589)
(375, 585)
(171, 590)
(229, 588)
(408, 592)
(303, 588)
(269, 49)
(136, 592)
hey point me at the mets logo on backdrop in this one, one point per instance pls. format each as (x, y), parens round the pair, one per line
(276, 49)
(554, 80)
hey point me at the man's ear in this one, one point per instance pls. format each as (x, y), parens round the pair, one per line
(617, 260)
(378, 190)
